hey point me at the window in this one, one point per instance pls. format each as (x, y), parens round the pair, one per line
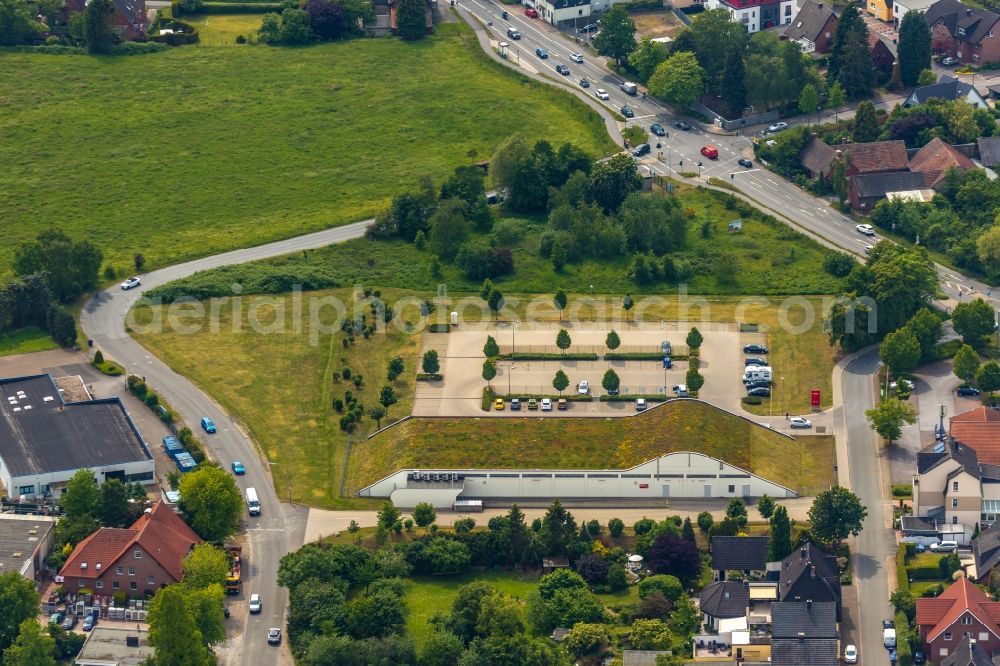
(954, 520)
(788, 10)
(732, 489)
(954, 486)
(975, 57)
(132, 586)
(947, 635)
(120, 571)
(954, 503)
(131, 571)
(26, 490)
(961, 32)
(115, 585)
(966, 620)
(79, 583)
(100, 584)
(989, 35)
(983, 636)
(150, 580)
(944, 652)
(138, 554)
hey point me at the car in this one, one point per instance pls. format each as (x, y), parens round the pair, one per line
(576, 57)
(949, 61)
(640, 404)
(851, 654)
(602, 94)
(667, 362)
(613, 391)
(255, 603)
(627, 111)
(546, 405)
(207, 425)
(583, 388)
(777, 127)
(757, 383)
(869, 249)
(238, 468)
(562, 69)
(584, 83)
(753, 360)
(919, 658)
(866, 229)
(513, 33)
(499, 404)
(759, 392)
(657, 129)
(88, 622)
(590, 27)
(562, 404)
(56, 618)
(967, 391)
(69, 622)
(799, 422)
(892, 656)
(531, 12)
(754, 349)
(131, 283)
(532, 404)
(944, 547)
(745, 163)
(503, 16)
(710, 151)
(641, 149)
(541, 53)
(681, 390)
(274, 636)
(515, 404)
(681, 125)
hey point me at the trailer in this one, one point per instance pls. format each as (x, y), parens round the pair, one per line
(233, 581)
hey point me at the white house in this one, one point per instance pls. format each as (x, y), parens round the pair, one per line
(900, 7)
(557, 11)
(756, 15)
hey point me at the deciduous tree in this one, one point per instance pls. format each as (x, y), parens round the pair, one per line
(988, 376)
(295, 28)
(82, 496)
(973, 320)
(17, 26)
(965, 363)
(610, 381)
(430, 363)
(678, 80)
(646, 56)
(926, 327)
(489, 370)
(563, 341)
(33, 647)
(617, 36)
(560, 302)
(888, 417)
(206, 565)
(649, 635)
(900, 351)
(173, 630)
(18, 603)
(766, 507)
(424, 514)
(675, 556)
(491, 349)
(694, 338)
(612, 180)
(411, 19)
(612, 342)
(69, 267)
(97, 33)
(560, 381)
(836, 514)
(211, 502)
(808, 100)
(866, 128)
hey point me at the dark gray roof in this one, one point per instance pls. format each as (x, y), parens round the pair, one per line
(801, 652)
(947, 87)
(725, 599)
(974, 22)
(967, 653)
(989, 150)
(730, 553)
(881, 184)
(40, 434)
(810, 21)
(818, 157)
(938, 452)
(802, 619)
(986, 550)
(809, 573)
(910, 524)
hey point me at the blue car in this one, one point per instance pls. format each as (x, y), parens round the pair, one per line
(207, 425)
(238, 469)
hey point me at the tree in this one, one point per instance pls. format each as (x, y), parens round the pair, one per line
(900, 351)
(705, 521)
(675, 556)
(649, 635)
(387, 397)
(732, 88)
(447, 556)
(678, 80)
(560, 381)
(611, 382)
(491, 349)
(685, 618)
(766, 507)
(97, 33)
(694, 379)
(206, 565)
(113, 506)
(836, 97)
(270, 29)
(441, 648)
(506, 162)
(926, 327)
(295, 28)
(927, 78)
(489, 370)
(850, 55)
(988, 251)
(887, 418)
(914, 50)
(617, 36)
(627, 304)
(593, 568)
(326, 18)
(737, 510)
(612, 342)
(17, 26)
(449, 228)
(585, 639)
(836, 514)
(33, 647)
(173, 630)
(82, 496)
(808, 99)
(965, 363)
(988, 376)
(715, 37)
(563, 340)
(558, 528)
(866, 127)
(430, 364)
(973, 320)
(495, 301)
(18, 603)
(669, 586)
(388, 514)
(411, 20)
(466, 183)
(211, 502)
(396, 368)
(424, 514)
(612, 180)
(68, 267)
(694, 338)
(646, 56)
(779, 545)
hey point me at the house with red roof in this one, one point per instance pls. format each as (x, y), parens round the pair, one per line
(979, 430)
(137, 560)
(936, 158)
(962, 612)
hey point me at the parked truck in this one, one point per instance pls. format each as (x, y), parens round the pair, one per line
(233, 580)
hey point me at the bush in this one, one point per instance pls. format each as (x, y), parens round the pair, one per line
(923, 573)
(137, 48)
(752, 400)
(705, 521)
(902, 490)
(615, 527)
(98, 357)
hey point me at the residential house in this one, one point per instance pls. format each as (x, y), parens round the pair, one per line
(723, 601)
(130, 19)
(989, 150)
(883, 59)
(901, 7)
(756, 15)
(968, 653)
(962, 612)
(877, 158)
(947, 88)
(818, 159)
(561, 11)
(864, 191)
(979, 429)
(809, 574)
(964, 32)
(986, 552)
(880, 9)
(138, 560)
(813, 27)
(384, 20)
(804, 632)
(743, 555)
(935, 158)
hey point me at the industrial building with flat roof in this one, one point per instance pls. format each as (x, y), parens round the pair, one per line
(44, 440)
(115, 646)
(25, 542)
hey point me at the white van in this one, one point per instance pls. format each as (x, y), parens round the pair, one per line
(756, 373)
(253, 504)
(629, 88)
(889, 637)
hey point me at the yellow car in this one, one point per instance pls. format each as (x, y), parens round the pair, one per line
(498, 404)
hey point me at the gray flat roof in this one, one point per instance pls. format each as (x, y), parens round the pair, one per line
(20, 536)
(106, 646)
(40, 433)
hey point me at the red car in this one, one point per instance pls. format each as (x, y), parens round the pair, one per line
(710, 151)
(530, 12)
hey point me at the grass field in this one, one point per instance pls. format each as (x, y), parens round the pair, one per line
(805, 465)
(197, 150)
(25, 341)
(222, 29)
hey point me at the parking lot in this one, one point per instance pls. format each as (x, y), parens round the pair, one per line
(461, 352)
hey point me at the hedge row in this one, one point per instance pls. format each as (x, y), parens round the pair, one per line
(138, 387)
(439, 328)
(550, 357)
(923, 573)
(902, 580)
(429, 376)
(904, 653)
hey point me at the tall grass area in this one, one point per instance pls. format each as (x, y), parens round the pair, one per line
(198, 150)
(222, 29)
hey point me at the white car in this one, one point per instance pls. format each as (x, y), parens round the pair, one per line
(602, 94)
(777, 127)
(799, 422)
(255, 603)
(944, 547)
(949, 61)
(131, 283)
(583, 388)
(546, 405)
(869, 248)
(681, 390)
(576, 57)
(866, 229)
(640, 404)
(851, 654)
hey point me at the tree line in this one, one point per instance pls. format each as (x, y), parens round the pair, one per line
(327, 20)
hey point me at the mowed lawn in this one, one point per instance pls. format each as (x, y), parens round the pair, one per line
(198, 150)
(25, 341)
(804, 464)
(222, 29)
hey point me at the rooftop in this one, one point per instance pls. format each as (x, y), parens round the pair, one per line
(810, 21)
(936, 614)
(725, 599)
(41, 434)
(799, 652)
(804, 619)
(979, 430)
(881, 184)
(973, 22)
(947, 87)
(734, 553)
(109, 646)
(877, 156)
(989, 150)
(986, 550)
(939, 156)
(20, 536)
(967, 653)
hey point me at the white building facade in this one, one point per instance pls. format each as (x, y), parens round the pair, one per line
(756, 15)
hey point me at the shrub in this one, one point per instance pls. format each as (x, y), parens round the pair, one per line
(705, 521)
(615, 527)
(240, 39)
(98, 357)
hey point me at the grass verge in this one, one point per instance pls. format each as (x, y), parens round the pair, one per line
(25, 341)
